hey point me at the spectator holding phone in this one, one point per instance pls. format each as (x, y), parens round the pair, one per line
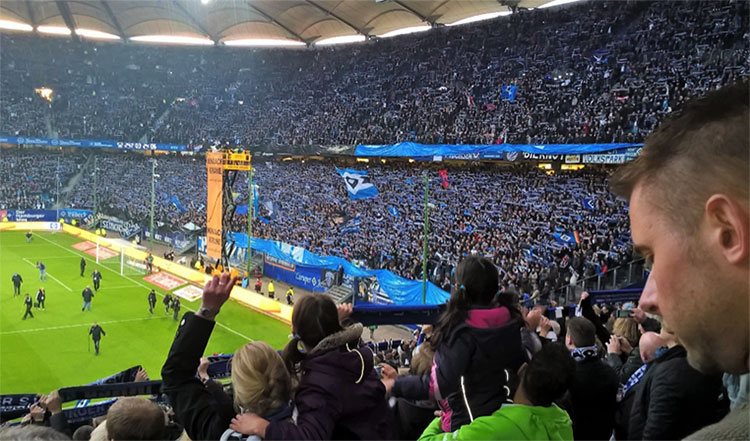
(622, 349)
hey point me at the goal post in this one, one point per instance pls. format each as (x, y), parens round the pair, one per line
(132, 261)
(129, 257)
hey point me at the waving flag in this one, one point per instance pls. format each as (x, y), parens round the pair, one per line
(508, 93)
(394, 211)
(255, 200)
(469, 99)
(178, 204)
(444, 177)
(351, 226)
(564, 238)
(589, 204)
(358, 184)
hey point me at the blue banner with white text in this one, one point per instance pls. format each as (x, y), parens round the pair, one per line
(29, 215)
(305, 277)
(54, 142)
(290, 261)
(493, 151)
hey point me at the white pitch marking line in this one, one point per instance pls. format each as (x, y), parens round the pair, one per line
(53, 277)
(80, 325)
(140, 284)
(57, 257)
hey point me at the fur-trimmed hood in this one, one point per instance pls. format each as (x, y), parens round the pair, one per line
(340, 355)
(340, 396)
(350, 334)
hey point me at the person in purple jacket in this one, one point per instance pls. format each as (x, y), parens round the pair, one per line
(340, 395)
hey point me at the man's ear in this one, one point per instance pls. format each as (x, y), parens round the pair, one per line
(728, 224)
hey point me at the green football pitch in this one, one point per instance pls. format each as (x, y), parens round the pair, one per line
(53, 350)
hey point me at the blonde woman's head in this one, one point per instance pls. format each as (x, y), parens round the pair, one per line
(628, 328)
(260, 380)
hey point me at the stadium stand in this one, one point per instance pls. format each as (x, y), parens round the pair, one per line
(598, 72)
(511, 214)
(609, 77)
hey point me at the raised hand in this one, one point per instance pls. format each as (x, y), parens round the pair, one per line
(51, 402)
(203, 368)
(215, 294)
(613, 346)
(141, 375)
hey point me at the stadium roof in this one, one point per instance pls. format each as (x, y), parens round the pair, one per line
(229, 21)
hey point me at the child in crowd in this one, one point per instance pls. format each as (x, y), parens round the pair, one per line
(475, 339)
(533, 414)
(340, 395)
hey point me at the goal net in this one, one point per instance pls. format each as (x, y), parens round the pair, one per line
(122, 256)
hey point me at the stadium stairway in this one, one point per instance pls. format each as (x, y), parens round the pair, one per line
(340, 294)
(71, 184)
(152, 126)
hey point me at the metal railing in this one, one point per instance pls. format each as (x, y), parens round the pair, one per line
(614, 278)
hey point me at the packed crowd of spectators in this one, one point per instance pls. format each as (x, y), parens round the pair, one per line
(595, 72)
(123, 186)
(510, 214)
(31, 176)
(591, 372)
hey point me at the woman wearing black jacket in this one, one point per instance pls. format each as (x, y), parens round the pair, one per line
(261, 382)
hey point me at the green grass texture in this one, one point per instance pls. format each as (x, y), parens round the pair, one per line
(53, 349)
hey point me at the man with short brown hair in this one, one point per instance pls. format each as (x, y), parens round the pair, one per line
(690, 216)
(134, 418)
(593, 394)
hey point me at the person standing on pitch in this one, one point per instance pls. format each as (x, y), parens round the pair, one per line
(27, 301)
(290, 296)
(17, 281)
(87, 296)
(42, 271)
(41, 296)
(150, 263)
(151, 301)
(96, 276)
(28, 237)
(167, 302)
(176, 307)
(96, 333)
(83, 265)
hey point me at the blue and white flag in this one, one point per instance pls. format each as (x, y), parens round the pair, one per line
(255, 200)
(358, 184)
(589, 204)
(351, 226)
(394, 211)
(508, 93)
(178, 204)
(565, 238)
